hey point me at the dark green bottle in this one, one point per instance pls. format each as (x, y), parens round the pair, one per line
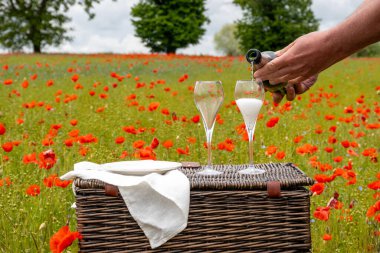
(258, 59)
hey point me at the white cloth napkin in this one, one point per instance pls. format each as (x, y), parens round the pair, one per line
(158, 203)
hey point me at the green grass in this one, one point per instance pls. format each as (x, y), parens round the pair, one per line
(27, 222)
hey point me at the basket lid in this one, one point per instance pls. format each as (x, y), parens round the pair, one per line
(287, 174)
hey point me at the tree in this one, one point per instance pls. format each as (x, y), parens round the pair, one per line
(165, 26)
(36, 23)
(273, 24)
(369, 51)
(226, 41)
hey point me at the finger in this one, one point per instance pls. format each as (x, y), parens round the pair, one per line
(298, 79)
(299, 88)
(277, 97)
(282, 79)
(290, 93)
(282, 51)
(270, 70)
(310, 81)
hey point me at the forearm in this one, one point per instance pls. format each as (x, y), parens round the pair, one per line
(359, 30)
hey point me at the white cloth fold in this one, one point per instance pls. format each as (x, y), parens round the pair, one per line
(158, 203)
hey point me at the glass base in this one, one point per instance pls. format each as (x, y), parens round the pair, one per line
(251, 170)
(209, 172)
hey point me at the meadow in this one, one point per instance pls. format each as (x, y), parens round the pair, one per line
(57, 110)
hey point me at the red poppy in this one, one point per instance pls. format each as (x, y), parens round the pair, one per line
(2, 129)
(270, 150)
(8, 82)
(30, 158)
(33, 77)
(167, 144)
(75, 78)
(226, 145)
(145, 153)
(195, 118)
(183, 151)
(5, 181)
(371, 152)
(73, 122)
(25, 84)
(153, 106)
(69, 142)
(322, 213)
(345, 144)
(8, 146)
(33, 190)
(191, 140)
(327, 237)
(155, 142)
(54, 180)
(332, 129)
(280, 155)
(329, 149)
(119, 140)
(306, 149)
(352, 152)
(165, 111)
(88, 138)
(138, 144)
(297, 139)
(332, 140)
(63, 239)
(360, 100)
(124, 154)
(49, 83)
(373, 209)
(322, 178)
(329, 117)
(317, 188)
(374, 185)
(47, 159)
(318, 129)
(272, 122)
(373, 126)
(348, 109)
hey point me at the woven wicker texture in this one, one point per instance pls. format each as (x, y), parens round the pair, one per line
(224, 215)
(286, 173)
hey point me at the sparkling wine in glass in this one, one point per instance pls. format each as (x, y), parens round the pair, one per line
(249, 97)
(208, 97)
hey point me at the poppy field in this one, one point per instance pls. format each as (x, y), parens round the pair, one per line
(57, 110)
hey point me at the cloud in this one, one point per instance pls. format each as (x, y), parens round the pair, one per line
(111, 30)
(331, 12)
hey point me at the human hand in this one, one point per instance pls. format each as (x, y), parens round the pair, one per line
(295, 89)
(306, 56)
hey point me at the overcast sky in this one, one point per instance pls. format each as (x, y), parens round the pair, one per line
(112, 31)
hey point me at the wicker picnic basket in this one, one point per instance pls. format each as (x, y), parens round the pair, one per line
(228, 213)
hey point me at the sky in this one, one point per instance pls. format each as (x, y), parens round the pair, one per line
(111, 31)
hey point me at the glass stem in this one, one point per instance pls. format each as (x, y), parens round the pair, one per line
(250, 139)
(209, 148)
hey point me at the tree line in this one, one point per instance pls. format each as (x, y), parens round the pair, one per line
(163, 26)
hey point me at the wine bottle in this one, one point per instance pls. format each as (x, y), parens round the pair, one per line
(258, 59)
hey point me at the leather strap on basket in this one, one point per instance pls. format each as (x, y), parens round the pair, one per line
(274, 189)
(111, 190)
(191, 164)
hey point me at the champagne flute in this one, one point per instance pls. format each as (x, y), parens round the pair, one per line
(249, 96)
(208, 97)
